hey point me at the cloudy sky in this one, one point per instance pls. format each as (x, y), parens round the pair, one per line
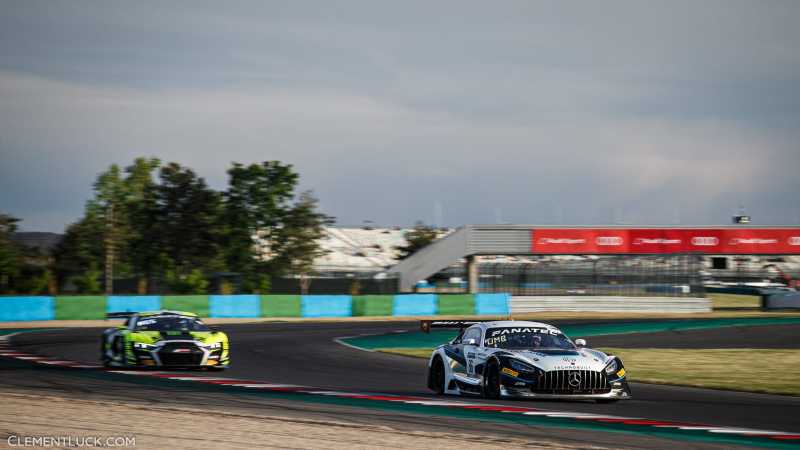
(456, 112)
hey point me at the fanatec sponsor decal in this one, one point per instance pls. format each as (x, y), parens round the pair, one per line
(650, 241)
(608, 240)
(545, 241)
(753, 241)
(503, 331)
(705, 241)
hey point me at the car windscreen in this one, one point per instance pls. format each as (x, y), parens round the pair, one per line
(527, 338)
(170, 323)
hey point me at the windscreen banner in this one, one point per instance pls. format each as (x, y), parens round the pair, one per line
(783, 241)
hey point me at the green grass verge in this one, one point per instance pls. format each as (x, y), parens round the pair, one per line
(415, 352)
(740, 369)
(734, 301)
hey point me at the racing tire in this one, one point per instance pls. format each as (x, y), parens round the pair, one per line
(118, 350)
(490, 388)
(103, 357)
(436, 377)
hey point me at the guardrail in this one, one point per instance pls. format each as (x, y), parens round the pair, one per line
(29, 308)
(524, 304)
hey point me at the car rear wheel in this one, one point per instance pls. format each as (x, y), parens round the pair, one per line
(436, 377)
(103, 354)
(118, 350)
(491, 380)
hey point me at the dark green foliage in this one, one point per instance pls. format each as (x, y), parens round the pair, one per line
(418, 238)
(23, 270)
(258, 202)
(177, 233)
(9, 253)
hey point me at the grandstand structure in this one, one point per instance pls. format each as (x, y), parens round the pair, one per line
(676, 257)
(490, 258)
(363, 250)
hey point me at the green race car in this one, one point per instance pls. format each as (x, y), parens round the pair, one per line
(171, 339)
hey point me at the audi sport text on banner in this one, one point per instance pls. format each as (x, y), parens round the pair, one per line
(666, 240)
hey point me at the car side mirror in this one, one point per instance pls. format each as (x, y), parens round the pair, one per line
(580, 342)
(471, 342)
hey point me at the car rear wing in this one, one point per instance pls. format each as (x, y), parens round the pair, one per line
(426, 325)
(120, 315)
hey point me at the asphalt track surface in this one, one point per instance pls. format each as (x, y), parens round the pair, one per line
(307, 354)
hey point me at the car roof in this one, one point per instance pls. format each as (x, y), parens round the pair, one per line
(167, 313)
(513, 323)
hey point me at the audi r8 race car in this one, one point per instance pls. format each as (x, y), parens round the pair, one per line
(163, 339)
(522, 359)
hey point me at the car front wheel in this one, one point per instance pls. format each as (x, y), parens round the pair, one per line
(491, 380)
(436, 377)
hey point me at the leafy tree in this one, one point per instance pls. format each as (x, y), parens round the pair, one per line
(80, 253)
(296, 242)
(186, 221)
(267, 232)
(88, 282)
(32, 280)
(141, 244)
(256, 202)
(176, 228)
(107, 228)
(9, 253)
(193, 282)
(417, 239)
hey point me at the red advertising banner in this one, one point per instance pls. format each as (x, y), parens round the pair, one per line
(785, 241)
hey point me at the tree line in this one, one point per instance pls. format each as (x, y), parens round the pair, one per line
(162, 225)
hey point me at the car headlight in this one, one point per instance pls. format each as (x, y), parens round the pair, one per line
(213, 346)
(520, 366)
(612, 366)
(142, 345)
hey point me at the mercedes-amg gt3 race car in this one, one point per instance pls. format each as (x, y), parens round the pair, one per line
(163, 339)
(522, 359)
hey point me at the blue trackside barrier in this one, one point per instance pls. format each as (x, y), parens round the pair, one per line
(27, 308)
(244, 306)
(326, 306)
(135, 303)
(14, 309)
(414, 305)
(492, 303)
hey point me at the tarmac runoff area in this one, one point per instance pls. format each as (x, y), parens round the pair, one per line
(300, 353)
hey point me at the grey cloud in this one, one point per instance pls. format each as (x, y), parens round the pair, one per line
(549, 112)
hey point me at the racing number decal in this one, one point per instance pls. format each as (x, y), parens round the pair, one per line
(471, 363)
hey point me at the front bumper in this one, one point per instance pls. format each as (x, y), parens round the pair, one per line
(555, 385)
(613, 394)
(180, 354)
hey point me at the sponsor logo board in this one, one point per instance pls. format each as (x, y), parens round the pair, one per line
(666, 240)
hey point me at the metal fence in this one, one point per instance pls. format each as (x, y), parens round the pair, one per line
(662, 276)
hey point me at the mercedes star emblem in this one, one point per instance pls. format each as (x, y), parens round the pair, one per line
(574, 379)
